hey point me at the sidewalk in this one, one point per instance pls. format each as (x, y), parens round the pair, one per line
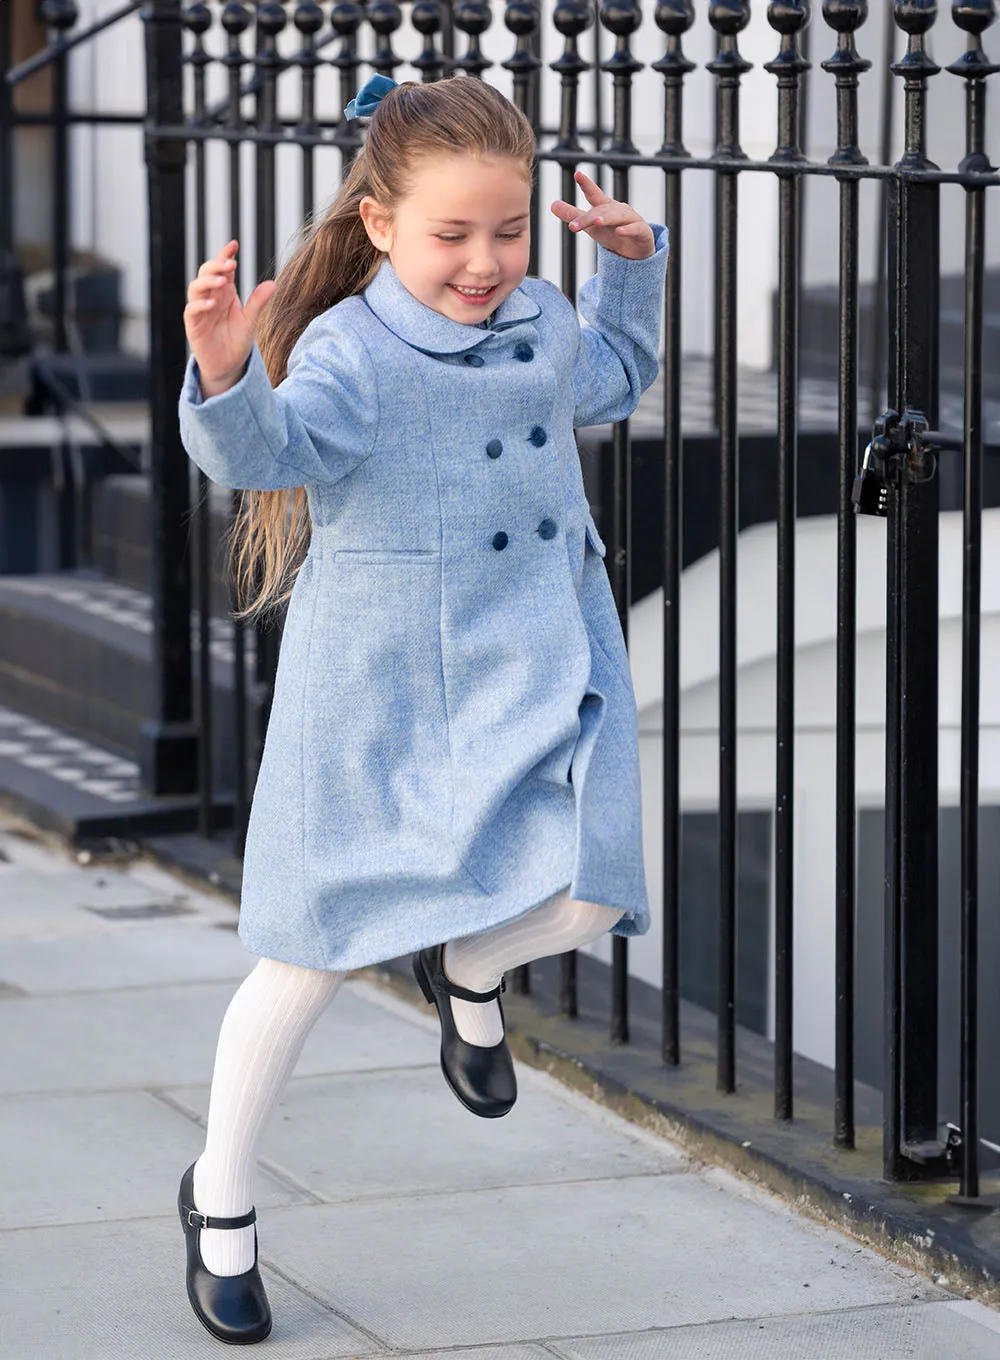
(391, 1220)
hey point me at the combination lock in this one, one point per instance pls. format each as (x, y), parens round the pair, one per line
(870, 493)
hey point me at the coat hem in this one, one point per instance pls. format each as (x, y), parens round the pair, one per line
(349, 961)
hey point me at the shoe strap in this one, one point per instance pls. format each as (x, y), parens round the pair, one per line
(464, 994)
(196, 1219)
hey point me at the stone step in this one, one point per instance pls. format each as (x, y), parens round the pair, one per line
(76, 651)
(88, 794)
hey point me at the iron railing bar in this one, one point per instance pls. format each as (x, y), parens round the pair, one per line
(241, 801)
(893, 173)
(266, 65)
(60, 207)
(203, 511)
(789, 281)
(892, 1065)
(14, 327)
(61, 46)
(971, 597)
(30, 119)
(728, 473)
(673, 475)
(974, 66)
(307, 23)
(571, 65)
(168, 751)
(674, 66)
(727, 67)
(524, 99)
(623, 66)
(915, 274)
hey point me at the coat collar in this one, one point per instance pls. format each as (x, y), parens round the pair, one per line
(424, 328)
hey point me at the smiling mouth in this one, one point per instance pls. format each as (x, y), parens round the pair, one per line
(476, 296)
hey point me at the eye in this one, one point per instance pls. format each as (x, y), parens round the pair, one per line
(504, 236)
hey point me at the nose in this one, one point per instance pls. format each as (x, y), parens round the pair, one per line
(482, 262)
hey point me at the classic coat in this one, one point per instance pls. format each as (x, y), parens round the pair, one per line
(453, 736)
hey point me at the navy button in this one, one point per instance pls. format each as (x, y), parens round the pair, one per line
(494, 448)
(524, 352)
(547, 528)
(500, 541)
(538, 436)
(475, 360)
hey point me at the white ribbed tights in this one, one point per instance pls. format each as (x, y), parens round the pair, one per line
(271, 1014)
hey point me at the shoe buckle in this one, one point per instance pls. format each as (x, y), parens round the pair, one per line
(194, 1214)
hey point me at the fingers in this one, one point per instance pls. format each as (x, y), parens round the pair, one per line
(595, 194)
(212, 277)
(609, 214)
(222, 266)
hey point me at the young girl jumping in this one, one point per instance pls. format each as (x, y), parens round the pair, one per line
(451, 764)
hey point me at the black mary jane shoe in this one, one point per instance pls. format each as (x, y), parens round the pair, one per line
(233, 1307)
(482, 1078)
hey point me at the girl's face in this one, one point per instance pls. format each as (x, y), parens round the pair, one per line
(464, 225)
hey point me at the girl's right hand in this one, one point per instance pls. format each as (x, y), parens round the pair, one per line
(219, 330)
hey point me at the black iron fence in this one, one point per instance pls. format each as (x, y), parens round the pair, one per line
(187, 46)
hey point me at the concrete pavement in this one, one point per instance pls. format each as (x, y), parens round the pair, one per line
(391, 1221)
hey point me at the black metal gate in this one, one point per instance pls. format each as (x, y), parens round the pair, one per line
(594, 55)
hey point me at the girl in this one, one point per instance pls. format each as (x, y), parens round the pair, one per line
(452, 753)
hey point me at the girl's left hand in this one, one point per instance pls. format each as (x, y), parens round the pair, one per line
(611, 224)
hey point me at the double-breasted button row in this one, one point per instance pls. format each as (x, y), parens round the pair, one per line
(547, 529)
(538, 437)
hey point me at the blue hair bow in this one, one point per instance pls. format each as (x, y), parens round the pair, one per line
(366, 101)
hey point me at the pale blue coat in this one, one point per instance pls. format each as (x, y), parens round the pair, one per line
(453, 737)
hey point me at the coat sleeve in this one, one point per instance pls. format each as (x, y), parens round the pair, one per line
(315, 426)
(619, 352)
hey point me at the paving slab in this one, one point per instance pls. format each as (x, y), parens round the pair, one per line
(372, 1134)
(132, 955)
(485, 1353)
(166, 1036)
(932, 1331)
(128, 1151)
(526, 1263)
(109, 1290)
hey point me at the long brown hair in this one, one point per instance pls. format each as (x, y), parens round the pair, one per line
(334, 259)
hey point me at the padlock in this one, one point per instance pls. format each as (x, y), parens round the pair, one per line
(870, 493)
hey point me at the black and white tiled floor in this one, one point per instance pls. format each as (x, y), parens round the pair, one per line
(123, 605)
(48, 750)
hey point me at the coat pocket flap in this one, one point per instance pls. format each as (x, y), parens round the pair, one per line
(596, 542)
